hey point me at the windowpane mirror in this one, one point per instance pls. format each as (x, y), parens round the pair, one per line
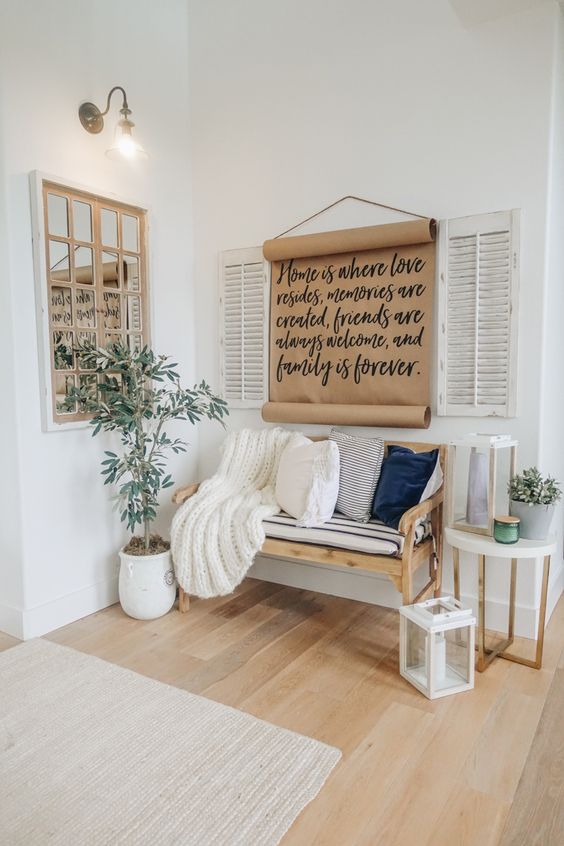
(131, 272)
(129, 232)
(109, 220)
(133, 314)
(58, 215)
(85, 338)
(135, 343)
(110, 270)
(85, 308)
(82, 220)
(63, 387)
(87, 383)
(112, 310)
(61, 305)
(63, 346)
(59, 261)
(83, 266)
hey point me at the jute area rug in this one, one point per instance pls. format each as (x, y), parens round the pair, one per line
(94, 754)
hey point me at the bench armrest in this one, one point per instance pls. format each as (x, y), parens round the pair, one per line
(410, 517)
(182, 494)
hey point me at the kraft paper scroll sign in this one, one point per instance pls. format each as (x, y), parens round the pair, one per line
(332, 414)
(350, 326)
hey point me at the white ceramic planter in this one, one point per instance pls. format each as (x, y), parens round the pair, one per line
(147, 586)
(535, 519)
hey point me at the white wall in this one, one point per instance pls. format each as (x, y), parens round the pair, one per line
(295, 104)
(292, 105)
(552, 405)
(11, 574)
(52, 57)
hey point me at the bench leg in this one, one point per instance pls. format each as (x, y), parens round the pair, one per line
(183, 601)
(407, 581)
(407, 588)
(437, 525)
(407, 567)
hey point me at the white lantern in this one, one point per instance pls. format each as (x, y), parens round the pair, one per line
(479, 469)
(437, 646)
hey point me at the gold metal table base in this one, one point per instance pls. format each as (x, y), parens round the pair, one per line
(485, 654)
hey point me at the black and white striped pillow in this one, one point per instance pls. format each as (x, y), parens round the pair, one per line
(361, 462)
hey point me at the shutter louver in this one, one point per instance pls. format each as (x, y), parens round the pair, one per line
(494, 293)
(243, 303)
(478, 314)
(461, 320)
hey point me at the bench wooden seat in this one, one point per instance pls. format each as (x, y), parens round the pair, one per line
(399, 568)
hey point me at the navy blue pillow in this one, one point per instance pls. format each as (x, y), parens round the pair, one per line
(403, 479)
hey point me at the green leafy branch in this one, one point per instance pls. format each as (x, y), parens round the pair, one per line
(137, 394)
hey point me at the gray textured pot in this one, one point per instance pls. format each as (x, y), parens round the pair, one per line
(535, 519)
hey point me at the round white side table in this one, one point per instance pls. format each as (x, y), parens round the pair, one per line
(485, 546)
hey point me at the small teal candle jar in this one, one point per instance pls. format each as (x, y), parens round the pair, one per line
(507, 529)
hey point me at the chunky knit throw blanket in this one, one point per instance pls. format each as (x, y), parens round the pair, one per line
(218, 531)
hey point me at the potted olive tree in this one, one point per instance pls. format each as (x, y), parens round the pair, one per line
(532, 499)
(137, 394)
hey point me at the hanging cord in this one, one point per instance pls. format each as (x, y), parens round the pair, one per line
(341, 200)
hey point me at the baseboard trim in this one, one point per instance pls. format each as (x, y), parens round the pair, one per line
(66, 609)
(376, 589)
(373, 588)
(526, 616)
(11, 621)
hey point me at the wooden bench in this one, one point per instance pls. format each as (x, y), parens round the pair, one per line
(400, 569)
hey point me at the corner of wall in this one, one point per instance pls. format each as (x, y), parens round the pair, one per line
(11, 539)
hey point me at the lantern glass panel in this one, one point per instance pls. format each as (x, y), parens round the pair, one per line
(415, 657)
(479, 489)
(454, 669)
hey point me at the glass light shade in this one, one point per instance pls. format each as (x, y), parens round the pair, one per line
(125, 146)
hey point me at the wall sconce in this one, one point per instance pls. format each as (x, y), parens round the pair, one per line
(124, 146)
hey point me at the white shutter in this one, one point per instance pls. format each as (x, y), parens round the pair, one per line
(478, 287)
(243, 321)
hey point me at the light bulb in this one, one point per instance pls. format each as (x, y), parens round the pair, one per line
(125, 146)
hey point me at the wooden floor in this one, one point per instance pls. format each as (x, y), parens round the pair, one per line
(537, 813)
(413, 771)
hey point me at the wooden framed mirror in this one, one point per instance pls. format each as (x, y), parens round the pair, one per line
(91, 285)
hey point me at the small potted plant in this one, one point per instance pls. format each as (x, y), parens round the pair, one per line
(137, 394)
(532, 499)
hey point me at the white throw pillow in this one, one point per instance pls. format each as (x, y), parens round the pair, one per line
(307, 483)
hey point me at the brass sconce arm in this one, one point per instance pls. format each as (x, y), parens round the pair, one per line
(92, 119)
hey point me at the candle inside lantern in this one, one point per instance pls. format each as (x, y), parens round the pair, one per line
(438, 645)
(440, 658)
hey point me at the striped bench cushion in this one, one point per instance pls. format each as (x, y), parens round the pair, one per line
(373, 537)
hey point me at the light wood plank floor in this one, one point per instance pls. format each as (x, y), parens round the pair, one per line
(413, 771)
(536, 817)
